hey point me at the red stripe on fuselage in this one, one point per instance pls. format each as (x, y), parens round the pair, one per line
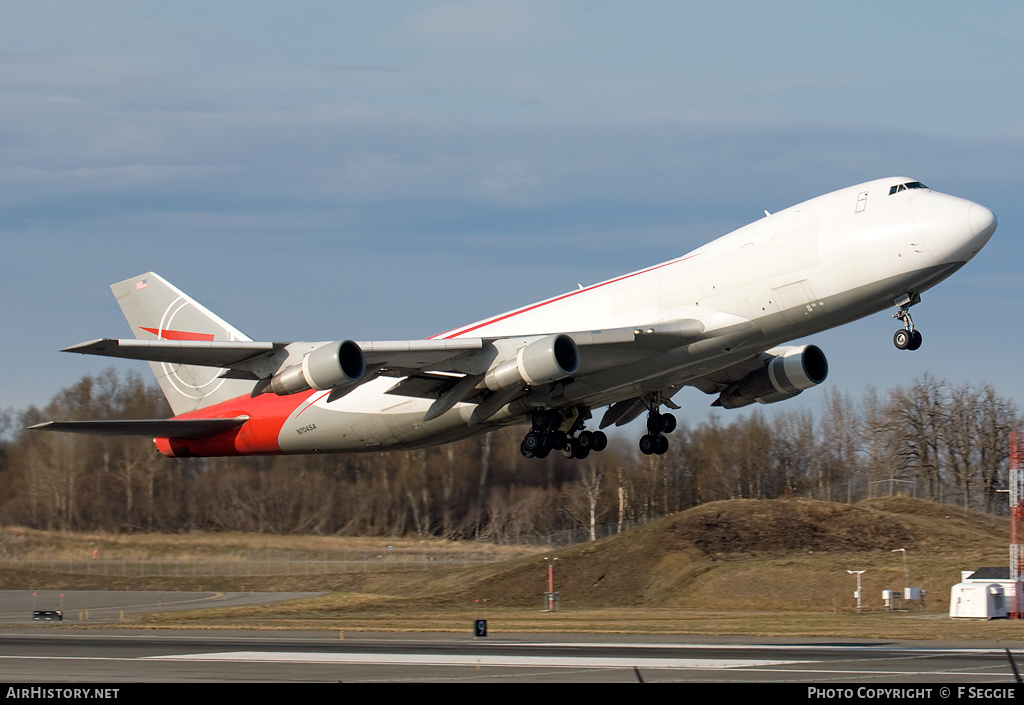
(462, 331)
(259, 435)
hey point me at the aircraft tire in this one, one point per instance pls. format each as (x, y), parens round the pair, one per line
(533, 442)
(901, 339)
(558, 440)
(648, 444)
(662, 446)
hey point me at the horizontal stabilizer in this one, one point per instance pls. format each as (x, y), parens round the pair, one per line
(212, 353)
(152, 428)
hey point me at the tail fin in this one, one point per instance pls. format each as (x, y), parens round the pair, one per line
(157, 310)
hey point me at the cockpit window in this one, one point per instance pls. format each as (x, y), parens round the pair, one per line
(903, 187)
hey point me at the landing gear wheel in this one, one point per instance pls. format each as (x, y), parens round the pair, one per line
(658, 424)
(649, 444)
(575, 449)
(662, 446)
(558, 440)
(563, 430)
(533, 442)
(901, 339)
(915, 340)
(907, 339)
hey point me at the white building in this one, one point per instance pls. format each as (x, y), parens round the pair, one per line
(986, 593)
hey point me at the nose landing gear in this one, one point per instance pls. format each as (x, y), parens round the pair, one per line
(909, 338)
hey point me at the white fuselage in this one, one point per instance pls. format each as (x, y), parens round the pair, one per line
(816, 265)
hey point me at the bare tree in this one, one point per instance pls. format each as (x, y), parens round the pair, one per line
(918, 416)
(584, 497)
(997, 418)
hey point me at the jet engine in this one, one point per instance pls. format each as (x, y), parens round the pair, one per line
(785, 375)
(338, 364)
(546, 360)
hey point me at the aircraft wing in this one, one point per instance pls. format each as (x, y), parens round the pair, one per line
(240, 355)
(395, 358)
(446, 370)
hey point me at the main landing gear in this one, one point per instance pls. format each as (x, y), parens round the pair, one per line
(654, 442)
(909, 338)
(551, 430)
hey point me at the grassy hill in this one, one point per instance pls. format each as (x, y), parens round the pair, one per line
(760, 554)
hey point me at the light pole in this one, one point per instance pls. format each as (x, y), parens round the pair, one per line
(857, 594)
(551, 583)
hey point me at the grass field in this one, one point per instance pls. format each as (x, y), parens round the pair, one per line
(769, 568)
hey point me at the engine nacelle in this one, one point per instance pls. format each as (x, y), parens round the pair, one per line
(338, 364)
(785, 376)
(546, 360)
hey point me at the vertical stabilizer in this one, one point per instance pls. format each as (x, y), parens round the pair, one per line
(157, 310)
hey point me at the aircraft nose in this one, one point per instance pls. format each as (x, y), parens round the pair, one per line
(983, 222)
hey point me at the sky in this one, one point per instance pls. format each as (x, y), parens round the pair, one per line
(380, 171)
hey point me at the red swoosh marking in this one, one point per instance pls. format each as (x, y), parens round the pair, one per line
(178, 334)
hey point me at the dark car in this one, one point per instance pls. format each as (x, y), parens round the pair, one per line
(48, 616)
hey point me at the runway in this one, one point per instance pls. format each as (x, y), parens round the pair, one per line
(122, 656)
(49, 653)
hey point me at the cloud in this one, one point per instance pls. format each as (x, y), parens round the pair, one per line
(387, 170)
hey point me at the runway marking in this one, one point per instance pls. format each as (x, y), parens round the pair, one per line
(851, 648)
(833, 670)
(468, 660)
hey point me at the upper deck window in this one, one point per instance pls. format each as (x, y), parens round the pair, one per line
(903, 187)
